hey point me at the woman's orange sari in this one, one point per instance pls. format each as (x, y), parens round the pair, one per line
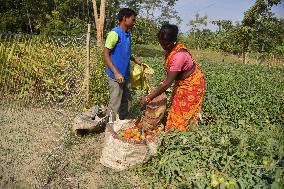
(187, 96)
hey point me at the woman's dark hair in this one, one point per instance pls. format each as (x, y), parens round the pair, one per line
(168, 33)
(127, 12)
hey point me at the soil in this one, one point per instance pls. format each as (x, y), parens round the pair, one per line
(39, 150)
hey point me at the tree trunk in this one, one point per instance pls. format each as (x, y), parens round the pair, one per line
(100, 21)
(244, 56)
(261, 57)
(244, 52)
(30, 25)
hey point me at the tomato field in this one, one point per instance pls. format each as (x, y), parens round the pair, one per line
(240, 141)
(238, 144)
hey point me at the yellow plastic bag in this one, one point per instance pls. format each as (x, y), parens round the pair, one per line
(139, 75)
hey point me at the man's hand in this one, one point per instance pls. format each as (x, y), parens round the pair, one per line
(119, 78)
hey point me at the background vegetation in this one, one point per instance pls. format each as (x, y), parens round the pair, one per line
(260, 33)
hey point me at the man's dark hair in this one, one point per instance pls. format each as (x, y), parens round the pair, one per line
(127, 12)
(168, 32)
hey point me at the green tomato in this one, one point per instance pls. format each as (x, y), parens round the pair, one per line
(265, 162)
(213, 176)
(162, 162)
(227, 184)
(232, 181)
(221, 180)
(214, 183)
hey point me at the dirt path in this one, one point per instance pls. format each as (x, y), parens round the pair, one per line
(38, 150)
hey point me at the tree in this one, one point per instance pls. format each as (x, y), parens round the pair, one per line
(21, 16)
(57, 17)
(147, 22)
(270, 33)
(196, 26)
(99, 21)
(251, 17)
(144, 32)
(148, 9)
(223, 25)
(226, 37)
(112, 8)
(70, 17)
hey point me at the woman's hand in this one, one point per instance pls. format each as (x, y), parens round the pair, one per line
(163, 86)
(143, 102)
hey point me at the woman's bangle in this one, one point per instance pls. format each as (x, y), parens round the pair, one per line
(148, 99)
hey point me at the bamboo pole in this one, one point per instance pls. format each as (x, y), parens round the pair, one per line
(87, 68)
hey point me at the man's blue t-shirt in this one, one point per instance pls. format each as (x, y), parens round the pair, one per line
(120, 52)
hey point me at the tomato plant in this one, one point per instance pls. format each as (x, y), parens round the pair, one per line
(239, 144)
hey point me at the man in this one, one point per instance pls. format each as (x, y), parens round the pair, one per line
(117, 56)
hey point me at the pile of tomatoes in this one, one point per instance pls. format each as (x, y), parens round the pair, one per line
(139, 134)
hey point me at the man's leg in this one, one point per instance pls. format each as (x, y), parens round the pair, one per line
(123, 110)
(116, 91)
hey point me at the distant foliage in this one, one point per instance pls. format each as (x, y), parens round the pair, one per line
(260, 33)
(144, 32)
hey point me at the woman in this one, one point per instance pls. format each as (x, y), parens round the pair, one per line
(189, 87)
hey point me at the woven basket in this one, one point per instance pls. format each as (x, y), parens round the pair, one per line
(154, 112)
(121, 154)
